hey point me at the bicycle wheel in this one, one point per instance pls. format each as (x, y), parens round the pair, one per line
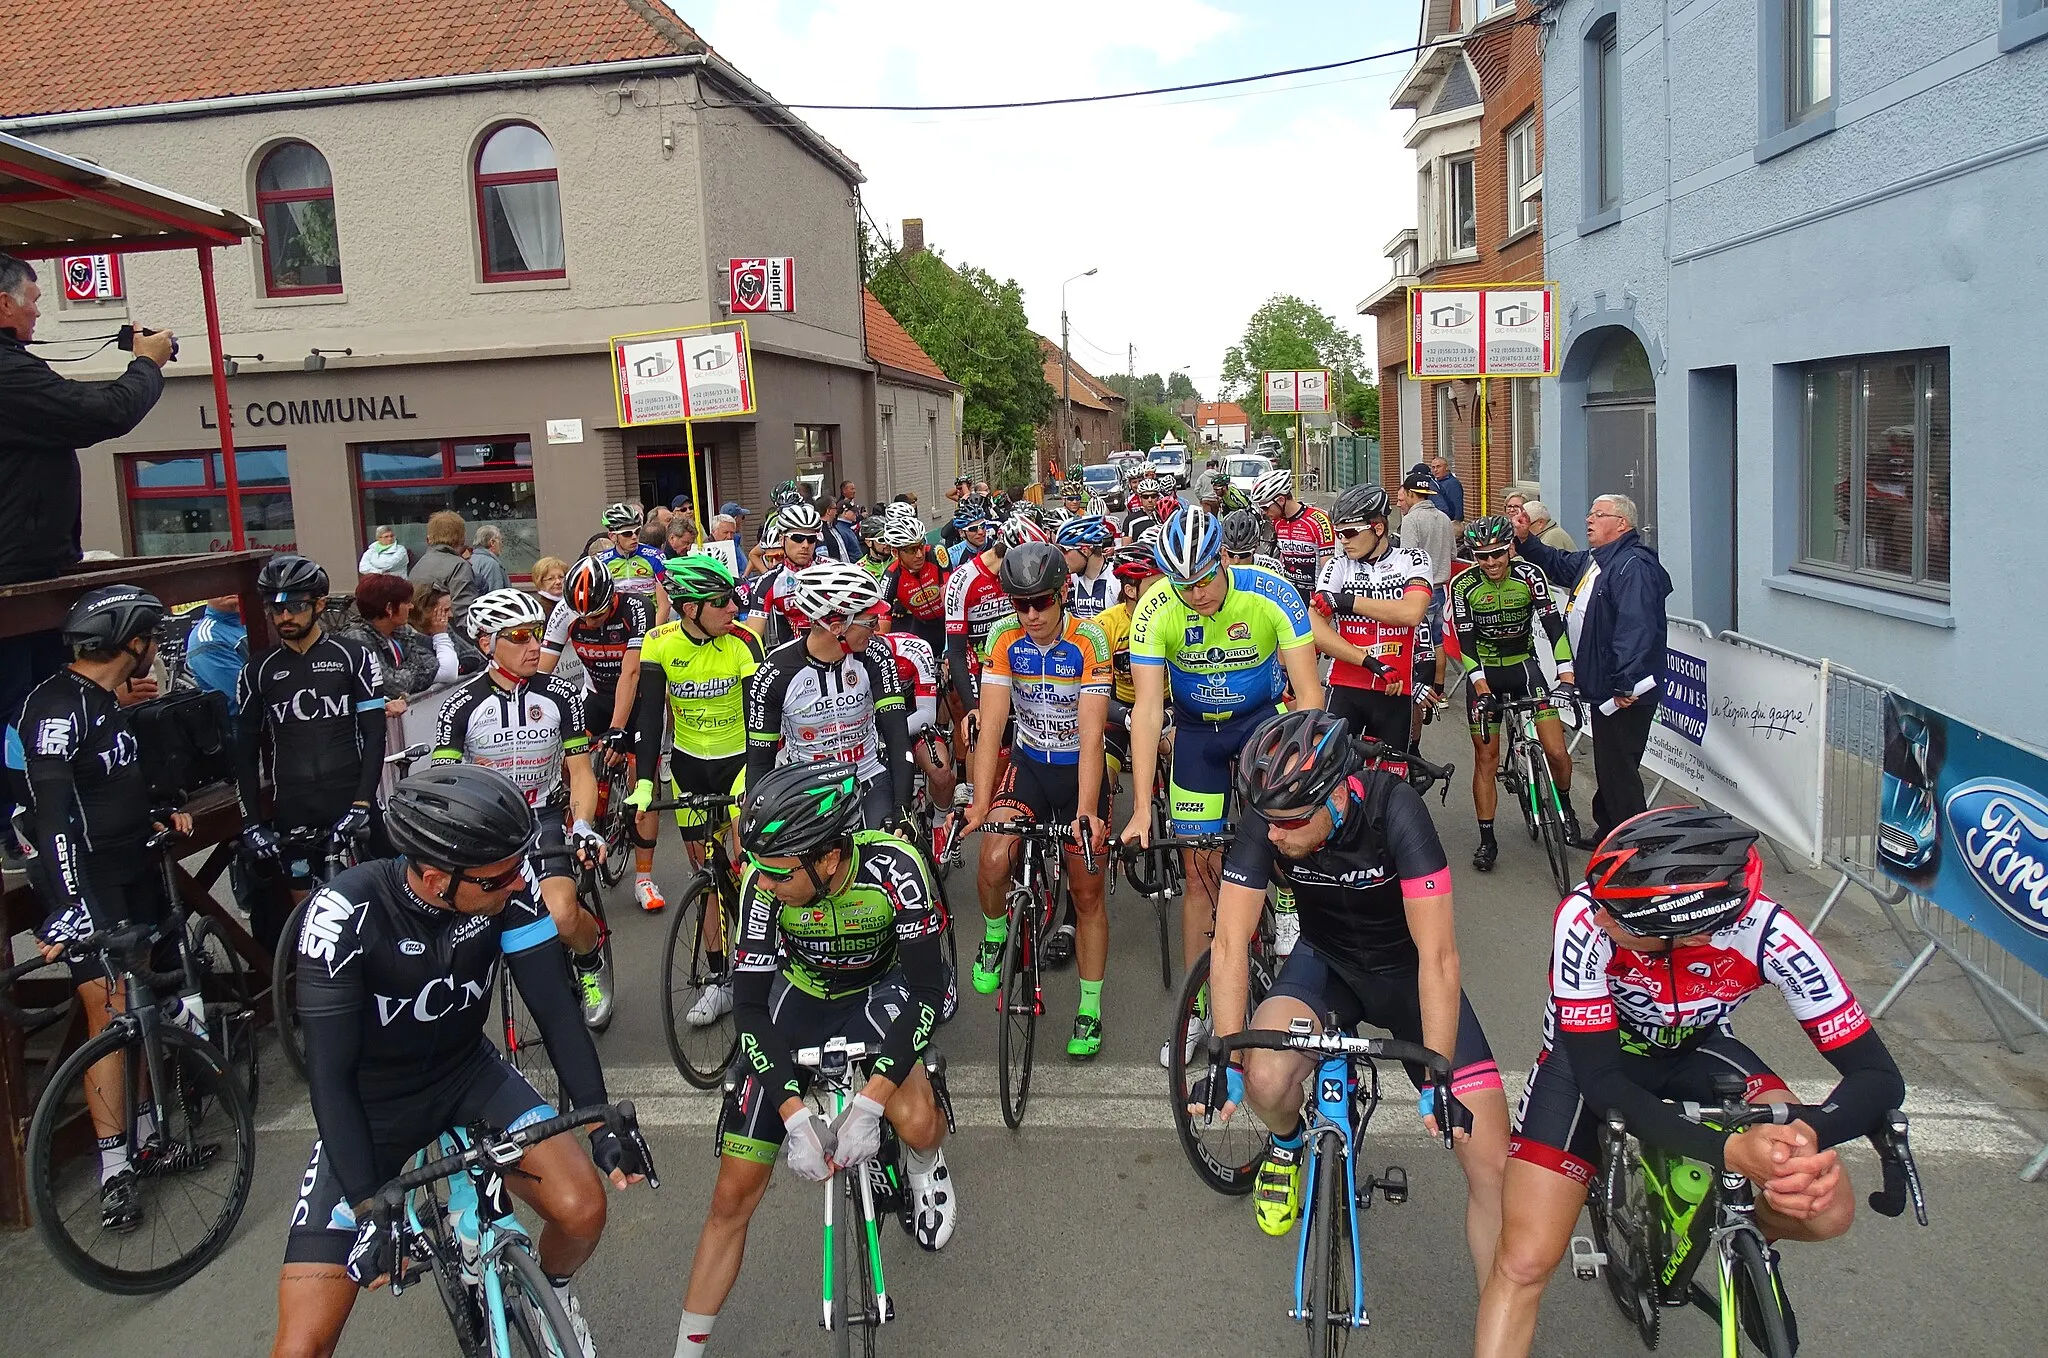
(617, 829)
(520, 1036)
(1756, 1298)
(186, 1217)
(1018, 1032)
(535, 1312)
(1326, 1272)
(1623, 1230)
(591, 898)
(284, 992)
(230, 1006)
(1225, 1155)
(701, 1053)
(1550, 822)
(860, 1308)
(1519, 783)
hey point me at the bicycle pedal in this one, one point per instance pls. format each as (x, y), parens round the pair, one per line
(1393, 1184)
(1587, 1262)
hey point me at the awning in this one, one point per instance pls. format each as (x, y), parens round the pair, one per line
(52, 204)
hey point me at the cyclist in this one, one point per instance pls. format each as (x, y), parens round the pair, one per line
(89, 804)
(1649, 960)
(530, 726)
(631, 563)
(914, 586)
(772, 608)
(1228, 498)
(834, 693)
(319, 698)
(1244, 542)
(1085, 543)
(704, 660)
(976, 520)
(1224, 643)
(1493, 608)
(1377, 946)
(1144, 508)
(1134, 568)
(607, 629)
(975, 603)
(1378, 596)
(396, 963)
(875, 554)
(1050, 669)
(840, 938)
(1304, 536)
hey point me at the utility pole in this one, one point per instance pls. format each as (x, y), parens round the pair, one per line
(1066, 377)
(1131, 400)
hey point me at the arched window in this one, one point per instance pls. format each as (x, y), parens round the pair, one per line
(295, 201)
(518, 205)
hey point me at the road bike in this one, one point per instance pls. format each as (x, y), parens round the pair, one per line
(1033, 909)
(699, 953)
(525, 1047)
(1156, 871)
(856, 1291)
(1329, 1262)
(1658, 1216)
(1525, 773)
(614, 816)
(480, 1257)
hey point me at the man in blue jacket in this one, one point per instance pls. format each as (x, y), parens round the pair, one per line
(217, 647)
(1615, 612)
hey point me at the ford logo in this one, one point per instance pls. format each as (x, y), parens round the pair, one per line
(2002, 829)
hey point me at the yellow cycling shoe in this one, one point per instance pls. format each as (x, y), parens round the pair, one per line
(1276, 1192)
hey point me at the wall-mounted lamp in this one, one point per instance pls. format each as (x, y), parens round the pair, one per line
(317, 360)
(229, 366)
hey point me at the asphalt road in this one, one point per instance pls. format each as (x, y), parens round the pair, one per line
(1086, 1233)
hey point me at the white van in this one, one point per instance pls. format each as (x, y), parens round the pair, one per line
(1170, 459)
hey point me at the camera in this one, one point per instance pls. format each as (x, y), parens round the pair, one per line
(125, 340)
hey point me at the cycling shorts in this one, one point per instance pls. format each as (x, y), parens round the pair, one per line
(750, 1124)
(487, 1090)
(1045, 792)
(877, 801)
(1199, 785)
(1555, 1129)
(1520, 680)
(124, 893)
(1386, 999)
(706, 777)
(1384, 717)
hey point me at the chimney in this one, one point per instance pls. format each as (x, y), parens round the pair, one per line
(913, 235)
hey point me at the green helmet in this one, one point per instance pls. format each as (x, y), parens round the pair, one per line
(1488, 534)
(800, 809)
(697, 578)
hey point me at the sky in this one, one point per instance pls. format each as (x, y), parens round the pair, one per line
(1193, 208)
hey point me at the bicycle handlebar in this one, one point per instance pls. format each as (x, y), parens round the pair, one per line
(1046, 830)
(695, 801)
(506, 1149)
(1333, 1043)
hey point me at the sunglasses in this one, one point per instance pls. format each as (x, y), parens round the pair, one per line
(1182, 587)
(285, 607)
(839, 622)
(1494, 555)
(1349, 533)
(494, 883)
(714, 601)
(781, 874)
(1037, 603)
(519, 636)
(811, 538)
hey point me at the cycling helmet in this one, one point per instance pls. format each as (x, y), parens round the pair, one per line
(291, 576)
(618, 518)
(974, 512)
(1272, 488)
(1096, 508)
(1147, 485)
(1031, 569)
(835, 589)
(456, 816)
(1149, 540)
(1293, 761)
(1085, 532)
(1676, 871)
(903, 509)
(801, 517)
(106, 619)
(1074, 488)
(1190, 544)
(1021, 528)
(871, 527)
(788, 493)
(800, 809)
(588, 589)
(771, 534)
(1134, 564)
(503, 608)
(899, 531)
(1489, 534)
(1243, 532)
(1361, 504)
(698, 578)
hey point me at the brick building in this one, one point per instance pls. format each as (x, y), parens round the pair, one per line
(1476, 90)
(1098, 413)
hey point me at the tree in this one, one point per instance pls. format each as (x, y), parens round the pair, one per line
(1152, 423)
(1287, 332)
(1179, 388)
(1362, 409)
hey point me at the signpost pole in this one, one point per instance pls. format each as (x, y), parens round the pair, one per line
(1300, 450)
(1485, 448)
(690, 461)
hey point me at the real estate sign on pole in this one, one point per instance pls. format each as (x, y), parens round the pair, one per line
(698, 372)
(1302, 391)
(1494, 330)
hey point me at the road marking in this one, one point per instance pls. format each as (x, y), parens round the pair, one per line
(1132, 1098)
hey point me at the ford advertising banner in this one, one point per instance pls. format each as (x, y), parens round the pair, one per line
(1965, 824)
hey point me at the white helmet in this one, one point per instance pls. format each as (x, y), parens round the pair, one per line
(902, 509)
(1272, 488)
(1097, 507)
(1020, 528)
(835, 589)
(503, 608)
(801, 517)
(620, 517)
(899, 530)
(771, 532)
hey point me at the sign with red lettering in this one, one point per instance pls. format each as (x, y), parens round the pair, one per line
(92, 278)
(760, 285)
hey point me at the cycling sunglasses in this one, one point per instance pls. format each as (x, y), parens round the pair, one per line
(497, 882)
(1037, 603)
(1183, 586)
(811, 538)
(1295, 822)
(518, 636)
(1495, 555)
(287, 607)
(1349, 533)
(782, 874)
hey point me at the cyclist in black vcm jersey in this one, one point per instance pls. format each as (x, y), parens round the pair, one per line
(396, 962)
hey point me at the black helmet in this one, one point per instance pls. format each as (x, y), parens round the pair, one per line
(1489, 534)
(1361, 504)
(456, 816)
(291, 576)
(1294, 760)
(800, 809)
(106, 619)
(1676, 871)
(1242, 531)
(1032, 568)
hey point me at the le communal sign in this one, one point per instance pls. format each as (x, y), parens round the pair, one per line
(760, 285)
(699, 372)
(1499, 330)
(1304, 391)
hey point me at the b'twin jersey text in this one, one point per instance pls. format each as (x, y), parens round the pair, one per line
(1401, 649)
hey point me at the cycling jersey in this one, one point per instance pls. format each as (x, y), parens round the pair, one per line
(89, 793)
(1047, 684)
(1087, 597)
(1304, 540)
(917, 599)
(875, 565)
(324, 709)
(635, 572)
(1493, 622)
(832, 709)
(1228, 665)
(773, 603)
(918, 670)
(1405, 651)
(523, 731)
(602, 644)
(705, 684)
(1115, 622)
(975, 603)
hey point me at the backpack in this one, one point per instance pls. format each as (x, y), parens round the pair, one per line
(185, 740)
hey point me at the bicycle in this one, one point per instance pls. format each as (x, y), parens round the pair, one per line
(1032, 907)
(1334, 1125)
(1157, 873)
(614, 817)
(525, 1047)
(479, 1255)
(856, 1291)
(171, 1050)
(1525, 773)
(701, 1052)
(1657, 1215)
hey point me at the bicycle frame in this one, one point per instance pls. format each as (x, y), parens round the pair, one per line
(1520, 748)
(1329, 1126)
(482, 1208)
(840, 1064)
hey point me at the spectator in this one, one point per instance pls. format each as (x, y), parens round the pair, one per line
(654, 534)
(848, 491)
(385, 555)
(1424, 526)
(433, 616)
(443, 566)
(1545, 528)
(682, 536)
(657, 517)
(1617, 621)
(217, 647)
(844, 524)
(548, 574)
(1450, 490)
(486, 560)
(724, 528)
(734, 510)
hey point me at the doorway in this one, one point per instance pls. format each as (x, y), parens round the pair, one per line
(664, 474)
(1621, 427)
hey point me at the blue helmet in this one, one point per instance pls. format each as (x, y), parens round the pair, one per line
(1190, 545)
(1085, 532)
(974, 512)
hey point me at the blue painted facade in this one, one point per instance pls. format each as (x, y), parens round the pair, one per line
(1905, 216)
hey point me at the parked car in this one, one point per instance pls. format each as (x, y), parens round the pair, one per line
(1266, 446)
(1245, 469)
(1106, 480)
(1170, 459)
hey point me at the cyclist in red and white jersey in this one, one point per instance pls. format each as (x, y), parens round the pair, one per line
(975, 603)
(918, 668)
(772, 611)
(1304, 538)
(1378, 597)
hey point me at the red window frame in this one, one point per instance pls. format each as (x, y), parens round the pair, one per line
(481, 181)
(449, 476)
(265, 197)
(211, 484)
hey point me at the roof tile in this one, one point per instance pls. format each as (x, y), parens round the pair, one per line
(889, 343)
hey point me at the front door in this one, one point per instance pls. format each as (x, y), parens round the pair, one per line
(1621, 456)
(664, 473)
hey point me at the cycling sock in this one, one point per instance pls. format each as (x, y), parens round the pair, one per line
(1485, 830)
(1291, 1141)
(920, 1162)
(693, 1334)
(995, 930)
(113, 1156)
(588, 961)
(1091, 998)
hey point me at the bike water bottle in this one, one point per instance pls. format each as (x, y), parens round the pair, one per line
(461, 1220)
(1690, 1182)
(187, 1009)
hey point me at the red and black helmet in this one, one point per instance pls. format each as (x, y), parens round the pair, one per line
(588, 588)
(1676, 871)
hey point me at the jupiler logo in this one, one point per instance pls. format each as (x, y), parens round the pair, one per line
(2002, 829)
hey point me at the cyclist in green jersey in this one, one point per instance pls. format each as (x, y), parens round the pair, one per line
(1493, 609)
(875, 558)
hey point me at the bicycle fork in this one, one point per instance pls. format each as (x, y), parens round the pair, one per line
(1333, 1102)
(865, 1237)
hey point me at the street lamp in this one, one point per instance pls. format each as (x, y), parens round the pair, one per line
(1066, 381)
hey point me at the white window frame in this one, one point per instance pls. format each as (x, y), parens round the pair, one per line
(1525, 198)
(1446, 425)
(1607, 121)
(1808, 73)
(1428, 243)
(1468, 164)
